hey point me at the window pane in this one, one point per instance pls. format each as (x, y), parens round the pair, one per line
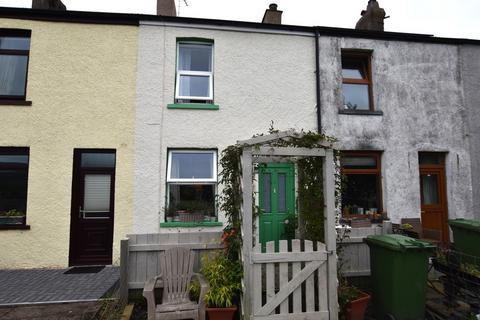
(13, 72)
(192, 198)
(15, 43)
(355, 96)
(195, 57)
(98, 160)
(282, 193)
(359, 162)
(192, 165)
(430, 158)
(13, 159)
(266, 193)
(429, 188)
(194, 86)
(97, 192)
(13, 190)
(352, 73)
(360, 193)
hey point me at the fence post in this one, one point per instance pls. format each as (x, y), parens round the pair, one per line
(124, 270)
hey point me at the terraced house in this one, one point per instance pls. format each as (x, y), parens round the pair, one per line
(114, 124)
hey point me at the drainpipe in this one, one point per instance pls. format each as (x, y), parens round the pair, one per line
(317, 81)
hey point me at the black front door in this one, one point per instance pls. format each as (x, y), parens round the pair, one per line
(92, 212)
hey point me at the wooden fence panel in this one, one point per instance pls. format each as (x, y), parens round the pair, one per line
(143, 255)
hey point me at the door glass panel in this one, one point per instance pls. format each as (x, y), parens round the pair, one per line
(98, 160)
(429, 189)
(97, 193)
(282, 192)
(266, 193)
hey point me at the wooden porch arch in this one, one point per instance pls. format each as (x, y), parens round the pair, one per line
(260, 150)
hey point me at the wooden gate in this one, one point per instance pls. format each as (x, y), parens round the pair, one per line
(291, 283)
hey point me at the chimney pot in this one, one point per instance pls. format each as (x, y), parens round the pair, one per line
(272, 15)
(166, 8)
(372, 18)
(48, 5)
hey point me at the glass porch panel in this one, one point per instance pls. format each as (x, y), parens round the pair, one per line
(429, 189)
(97, 193)
(355, 96)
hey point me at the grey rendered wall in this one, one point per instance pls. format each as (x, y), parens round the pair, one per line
(470, 56)
(419, 89)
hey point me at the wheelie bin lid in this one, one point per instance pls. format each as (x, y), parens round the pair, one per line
(465, 224)
(397, 242)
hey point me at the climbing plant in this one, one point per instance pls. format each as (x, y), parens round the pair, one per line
(310, 188)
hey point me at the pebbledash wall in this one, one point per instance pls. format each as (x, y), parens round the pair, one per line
(81, 81)
(420, 90)
(259, 76)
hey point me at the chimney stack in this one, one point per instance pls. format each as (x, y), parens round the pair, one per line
(166, 8)
(272, 15)
(48, 5)
(372, 18)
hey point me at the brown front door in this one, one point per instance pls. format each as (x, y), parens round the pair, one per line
(92, 213)
(433, 195)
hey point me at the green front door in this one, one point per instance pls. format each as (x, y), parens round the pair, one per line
(277, 202)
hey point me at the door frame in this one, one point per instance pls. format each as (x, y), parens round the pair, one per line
(440, 170)
(77, 196)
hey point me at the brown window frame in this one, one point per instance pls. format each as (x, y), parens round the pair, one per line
(14, 99)
(17, 151)
(364, 58)
(377, 171)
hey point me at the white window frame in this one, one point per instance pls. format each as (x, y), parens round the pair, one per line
(180, 73)
(212, 180)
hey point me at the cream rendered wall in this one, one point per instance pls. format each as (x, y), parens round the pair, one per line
(81, 81)
(258, 78)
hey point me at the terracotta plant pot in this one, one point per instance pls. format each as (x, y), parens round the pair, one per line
(356, 308)
(221, 313)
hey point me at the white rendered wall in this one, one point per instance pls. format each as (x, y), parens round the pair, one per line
(258, 78)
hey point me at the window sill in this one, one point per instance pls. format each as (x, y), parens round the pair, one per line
(15, 103)
(14, 227)
(190, 224)
(361, 112)
(193, 106)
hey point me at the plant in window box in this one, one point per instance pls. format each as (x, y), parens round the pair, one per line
(12, 216)
(224, 279)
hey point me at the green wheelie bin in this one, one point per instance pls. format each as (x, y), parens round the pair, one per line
(466, 236)
(399, 267)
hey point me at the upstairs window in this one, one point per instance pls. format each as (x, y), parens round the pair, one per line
(191, 184)
(357, 80)
(194, 83)
(13, 185)
(14, 52)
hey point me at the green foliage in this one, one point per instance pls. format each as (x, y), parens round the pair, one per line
(470, 269)
(194, 288)
(224, 280)
(12, 213)
(346, 293)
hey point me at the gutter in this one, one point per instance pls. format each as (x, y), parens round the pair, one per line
(317, 81)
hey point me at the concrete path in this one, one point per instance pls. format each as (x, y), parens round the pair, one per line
(53, 285)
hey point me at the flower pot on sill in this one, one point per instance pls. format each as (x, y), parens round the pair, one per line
(356, 308)
(221, 313)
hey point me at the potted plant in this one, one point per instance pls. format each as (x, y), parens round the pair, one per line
(12, 216)
(353, 302)
(224, 276)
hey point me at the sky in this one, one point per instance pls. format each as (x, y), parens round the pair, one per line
(442, 18)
